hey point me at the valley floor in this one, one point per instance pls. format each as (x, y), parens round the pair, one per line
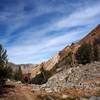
(25, 92)
(19, 92)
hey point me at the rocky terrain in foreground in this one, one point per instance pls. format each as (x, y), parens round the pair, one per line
(83, 77)
(15, 91)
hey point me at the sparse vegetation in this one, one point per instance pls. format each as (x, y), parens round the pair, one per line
(18, 74)
(42, 77)
(69, 58)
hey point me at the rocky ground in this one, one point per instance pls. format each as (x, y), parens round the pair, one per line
(76, 83)
(83, 80)
(16, 91)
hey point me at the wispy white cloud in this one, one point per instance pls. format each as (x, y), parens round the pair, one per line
(45, 47)
(38, 42)
(82, 17)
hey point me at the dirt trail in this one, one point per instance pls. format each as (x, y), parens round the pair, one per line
(19, 93)
(27, 93)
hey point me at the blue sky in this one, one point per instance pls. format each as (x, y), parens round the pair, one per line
(33, 31)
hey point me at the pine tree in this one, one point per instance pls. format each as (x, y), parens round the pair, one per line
(5, 70)
(18, 74)
(84, 54)
(96, 52)
(96, 49)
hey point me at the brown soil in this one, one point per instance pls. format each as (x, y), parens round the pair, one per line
(24, 92)
(19, 92)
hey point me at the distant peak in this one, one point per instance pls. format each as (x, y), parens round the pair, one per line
(98, 26)
(92, 35)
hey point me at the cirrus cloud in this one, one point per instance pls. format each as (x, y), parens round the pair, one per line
(33, 31)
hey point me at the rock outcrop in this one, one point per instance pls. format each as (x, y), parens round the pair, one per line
(82, 76)
(46, 65)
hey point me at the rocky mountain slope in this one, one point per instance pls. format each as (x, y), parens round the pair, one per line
(82, 76)
(59, 58)
(85, 79)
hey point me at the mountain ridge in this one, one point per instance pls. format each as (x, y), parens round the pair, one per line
(95, 33)
(50, 64)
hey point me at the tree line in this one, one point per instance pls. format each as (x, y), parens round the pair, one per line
(88, 52)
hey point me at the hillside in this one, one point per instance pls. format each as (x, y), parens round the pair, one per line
(95, 33)
(59, 58)
(58, 61)
(74, 79)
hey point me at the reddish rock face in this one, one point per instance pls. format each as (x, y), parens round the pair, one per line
(87, 39)
(73, 48)
(91, 36)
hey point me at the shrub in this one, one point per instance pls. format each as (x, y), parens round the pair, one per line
(42, 77)
(69, 58)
